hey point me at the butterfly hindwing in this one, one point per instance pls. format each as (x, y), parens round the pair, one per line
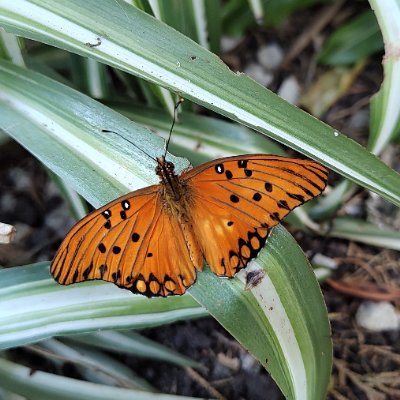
(126, 242)
(237, 200)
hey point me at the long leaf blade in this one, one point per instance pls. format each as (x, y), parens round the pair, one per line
(67, 138)
(195, 73)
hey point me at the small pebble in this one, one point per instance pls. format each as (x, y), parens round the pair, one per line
(354, 210)
(22, 180)
(270, 56)
(378, 316)
(7, 233)
(258, 73)
(358, 121)
(58, 219)
(249, 363)
(290, 90)
(51, 189)
(324, 261)
(232, 363)
(229, 43)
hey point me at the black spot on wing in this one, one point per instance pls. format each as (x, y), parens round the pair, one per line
(297, 197)
(116, 249)
(268, 187)
(234, 198)
(102, 270)
(257, 196)
(116, 275)
(223, 264)
(219, 168)
(275, 216)
(228, 174)
(75, 277)
(242, 163)
(106, 214)
(87, 271)
(126, 205)
(283, 204)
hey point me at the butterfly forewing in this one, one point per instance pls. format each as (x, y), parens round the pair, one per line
(239, 199)
(131, 242)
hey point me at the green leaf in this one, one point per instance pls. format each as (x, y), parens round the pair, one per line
(275, 11)
(194, 73)
(134, 344)
(365, 232)
(285, 310)
(33, 307)
(95, 366)
(197, 137)
(45, 386)
(63, 129)
(352, 42)
(385, 105)
(213, 18)
(9, 48)
(78, 207)
(237, 17)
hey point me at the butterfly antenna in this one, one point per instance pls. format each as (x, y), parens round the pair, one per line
(126, 140)
(179, 102)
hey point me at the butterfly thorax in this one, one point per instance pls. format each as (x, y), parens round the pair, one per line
(174, 192)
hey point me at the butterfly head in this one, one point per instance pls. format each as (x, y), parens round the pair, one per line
(164, 169)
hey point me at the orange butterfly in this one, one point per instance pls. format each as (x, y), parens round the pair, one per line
(151, 241)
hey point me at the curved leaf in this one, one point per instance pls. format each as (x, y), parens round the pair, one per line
(63, 129)
(33, 307)
(385, 105)
(193, 72)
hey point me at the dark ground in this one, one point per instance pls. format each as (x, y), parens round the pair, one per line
(366, 365)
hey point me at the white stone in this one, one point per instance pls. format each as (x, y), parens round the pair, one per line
(353, 209)
(270, 56)
(378, 316)
(324, 261)
(22, 181)
(7, 233)
(290, 90)
(58, 219)
(249, 363)
(229, 43)
(359, 120)
(259, 74)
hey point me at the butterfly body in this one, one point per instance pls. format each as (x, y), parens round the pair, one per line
(174, 193)
(153, 240)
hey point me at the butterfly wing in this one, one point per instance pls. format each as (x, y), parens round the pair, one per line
(237, 200)
(127, 242)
